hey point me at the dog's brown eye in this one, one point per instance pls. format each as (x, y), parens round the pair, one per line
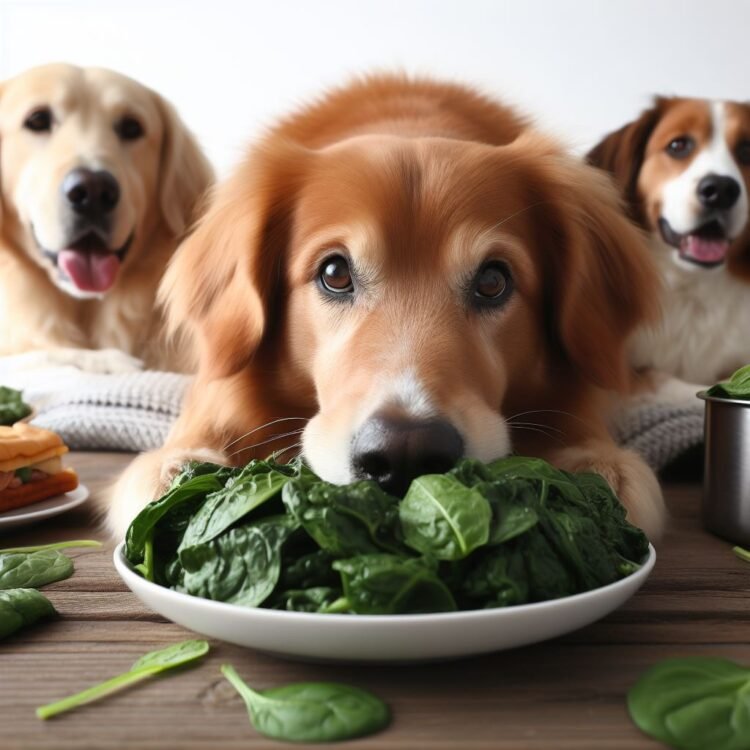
(743, 152)
(492, 284)
(128, 128)
(681, 147)
(39, 121)
(335, 275)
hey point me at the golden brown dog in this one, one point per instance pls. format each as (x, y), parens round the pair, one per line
(398, 275)
(98, 180)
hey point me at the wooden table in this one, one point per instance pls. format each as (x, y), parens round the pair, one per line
(563, 694)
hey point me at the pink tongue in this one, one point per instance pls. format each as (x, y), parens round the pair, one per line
(703, 250)
(90, 272)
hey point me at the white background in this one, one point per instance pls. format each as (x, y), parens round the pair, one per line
(581, 67)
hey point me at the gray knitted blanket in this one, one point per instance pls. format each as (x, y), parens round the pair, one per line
(133, 411)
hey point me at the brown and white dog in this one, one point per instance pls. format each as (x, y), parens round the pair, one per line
(401, 274)
(684, 168)
(99, 178)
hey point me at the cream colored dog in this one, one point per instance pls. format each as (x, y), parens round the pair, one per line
(99, 178)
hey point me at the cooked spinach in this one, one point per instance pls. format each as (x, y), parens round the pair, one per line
(738, 386)
(311, 711)
(148, 665)
(32, 567)
(442, 517)
(694, 703)
(20, 608)
(483, 535)
(12, 406)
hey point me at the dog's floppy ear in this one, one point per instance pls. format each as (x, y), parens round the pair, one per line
(184, 172)
(621, 154)
(601, 281)
(220, 284)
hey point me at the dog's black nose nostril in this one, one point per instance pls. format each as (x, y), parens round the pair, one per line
(91, 192)
(393, 451)
(719, 192)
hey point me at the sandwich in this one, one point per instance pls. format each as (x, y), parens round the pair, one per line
(31, 466)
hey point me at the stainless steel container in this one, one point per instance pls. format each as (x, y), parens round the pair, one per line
(726, 479)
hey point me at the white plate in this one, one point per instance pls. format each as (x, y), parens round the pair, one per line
(383, 638)
(52, 506)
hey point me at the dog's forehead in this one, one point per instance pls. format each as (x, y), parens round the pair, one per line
(427, 186)
(69, 88)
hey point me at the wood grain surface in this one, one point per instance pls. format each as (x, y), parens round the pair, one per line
(566, 694)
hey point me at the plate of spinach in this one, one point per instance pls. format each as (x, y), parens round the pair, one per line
(482, 558)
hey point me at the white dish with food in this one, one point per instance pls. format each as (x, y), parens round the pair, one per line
(383, 638)
(52, 506)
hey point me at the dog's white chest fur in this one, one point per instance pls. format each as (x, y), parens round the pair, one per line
(704, 333)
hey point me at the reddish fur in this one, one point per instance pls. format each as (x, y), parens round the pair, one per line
(415, 161)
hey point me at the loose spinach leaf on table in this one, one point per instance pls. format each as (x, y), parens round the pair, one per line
(148, 665)
(442, 517)
(695, 703)
(20, 608)
(32, 567)
(383, 584)
(241, 566)
(344, 520)
(738, 386)
(311, 711)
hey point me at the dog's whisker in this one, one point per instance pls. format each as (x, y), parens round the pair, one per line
(263, 427)
(537, 424)
(278, 453)
(277, 436)
(545, 433)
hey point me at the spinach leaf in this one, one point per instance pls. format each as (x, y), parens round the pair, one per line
(142, 527)
(20, 608)
(314, 599)
(349, 520)
(12, 406)
(738, 386)
(313, 569)
(694, 703)
(258, 482)
(546, 575)
(498, 579)
(20, 570)
(384, 584)
(148, 665)
(442, 517)
(311, 711)
(241, 567)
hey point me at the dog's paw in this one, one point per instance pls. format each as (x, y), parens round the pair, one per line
(631, 479)
(144, 480)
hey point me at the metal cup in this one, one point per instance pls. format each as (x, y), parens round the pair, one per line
(726, 479)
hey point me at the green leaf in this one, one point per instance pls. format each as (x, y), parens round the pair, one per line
(258, 482)
(738, 386)
(384, 584)
(240, 567)
(499, 578)
(311, 711)
(314, 599)
(344, 520)
(21, 608)
(143, 525)
(694, 703)
(33, 569)
(743, 554)
(12, 406)
(148, 665)
(442, 517)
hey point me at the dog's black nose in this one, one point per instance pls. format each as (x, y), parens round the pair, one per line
(715, 191)
(393, 451)
(89, 192)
